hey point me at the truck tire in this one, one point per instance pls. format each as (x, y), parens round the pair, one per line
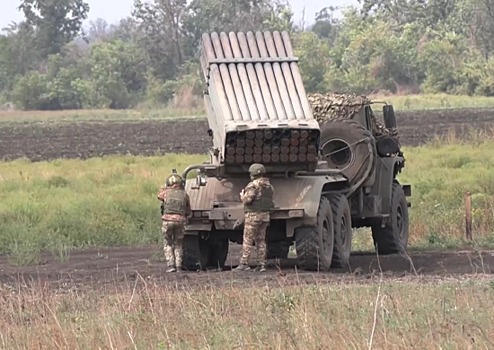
(342, 223)
(196, 253)
(218, 252)
(393, 237)
(278, 250)
(348, 147)
(314, 245)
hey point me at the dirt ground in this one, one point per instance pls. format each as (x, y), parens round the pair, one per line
(125, 266)
(44, 141)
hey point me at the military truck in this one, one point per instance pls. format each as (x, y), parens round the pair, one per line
(333, 165)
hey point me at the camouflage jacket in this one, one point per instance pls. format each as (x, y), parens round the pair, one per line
(174, 217)
(253, 191)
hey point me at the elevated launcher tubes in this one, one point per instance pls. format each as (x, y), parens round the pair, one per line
(257, 107)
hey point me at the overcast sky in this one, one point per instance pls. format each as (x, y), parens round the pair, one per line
(113, 10)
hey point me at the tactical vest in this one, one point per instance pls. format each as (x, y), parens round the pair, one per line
(263, 204)
(175, 202)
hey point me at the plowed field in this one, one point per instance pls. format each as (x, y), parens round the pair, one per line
(43, 141)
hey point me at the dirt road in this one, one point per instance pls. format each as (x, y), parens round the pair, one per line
(101, 268)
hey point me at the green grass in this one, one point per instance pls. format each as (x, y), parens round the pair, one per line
(401, 314)
(435, 101)
(407, 102)
(112, 201)
(72, 203)
(441, 174)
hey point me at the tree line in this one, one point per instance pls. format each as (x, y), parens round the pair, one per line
(48, 61)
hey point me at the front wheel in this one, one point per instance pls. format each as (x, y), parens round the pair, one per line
(315, 245)
(393, 237)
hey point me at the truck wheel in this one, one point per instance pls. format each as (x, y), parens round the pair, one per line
(218, 252)
(393, 237)
(196, 253)
(278, 250)
(342, 222)
(347, 146)
(315, 244)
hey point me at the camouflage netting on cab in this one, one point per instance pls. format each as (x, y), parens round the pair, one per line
(333, 105)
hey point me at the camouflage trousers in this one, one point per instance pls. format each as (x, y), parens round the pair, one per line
(254, 233)
(173, 239)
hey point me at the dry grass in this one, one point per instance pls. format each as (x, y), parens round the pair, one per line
(104, 114)
(144, 315)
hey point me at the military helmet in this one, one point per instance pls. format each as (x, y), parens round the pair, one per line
(174, 179)
(256, 170)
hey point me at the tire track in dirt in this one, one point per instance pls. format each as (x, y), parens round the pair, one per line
(123, 266)
(46, 141)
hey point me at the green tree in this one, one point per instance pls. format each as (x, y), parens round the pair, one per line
(314, 56)
(57, 22)
(118, 74)
(428, 13)
(234, 15)
(160, 24)
(59, 87)
(326, 25)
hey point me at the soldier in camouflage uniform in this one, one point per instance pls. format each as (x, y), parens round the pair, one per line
(174, 210)
(258, 200)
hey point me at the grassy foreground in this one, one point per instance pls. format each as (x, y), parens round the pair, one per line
(110, 201)
(392, 315)
(406, 102)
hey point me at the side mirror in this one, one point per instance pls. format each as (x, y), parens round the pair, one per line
(387, 146)
(389, 117)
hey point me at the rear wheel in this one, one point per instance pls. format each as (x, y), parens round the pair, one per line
(315, 244)
(342, 222)
(393, 237)
(278, 250)
(218, 252)
(201, 253)
(196, 253)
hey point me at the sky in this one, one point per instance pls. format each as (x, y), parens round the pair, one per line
(113, 10)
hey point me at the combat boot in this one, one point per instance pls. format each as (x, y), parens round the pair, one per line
(260, 268)
(171, 269)
(242, 267)
(178, 265)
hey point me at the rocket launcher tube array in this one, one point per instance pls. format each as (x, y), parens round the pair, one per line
(257, 105)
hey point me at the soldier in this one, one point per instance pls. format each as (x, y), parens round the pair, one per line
(175, 209)
(258, 200)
